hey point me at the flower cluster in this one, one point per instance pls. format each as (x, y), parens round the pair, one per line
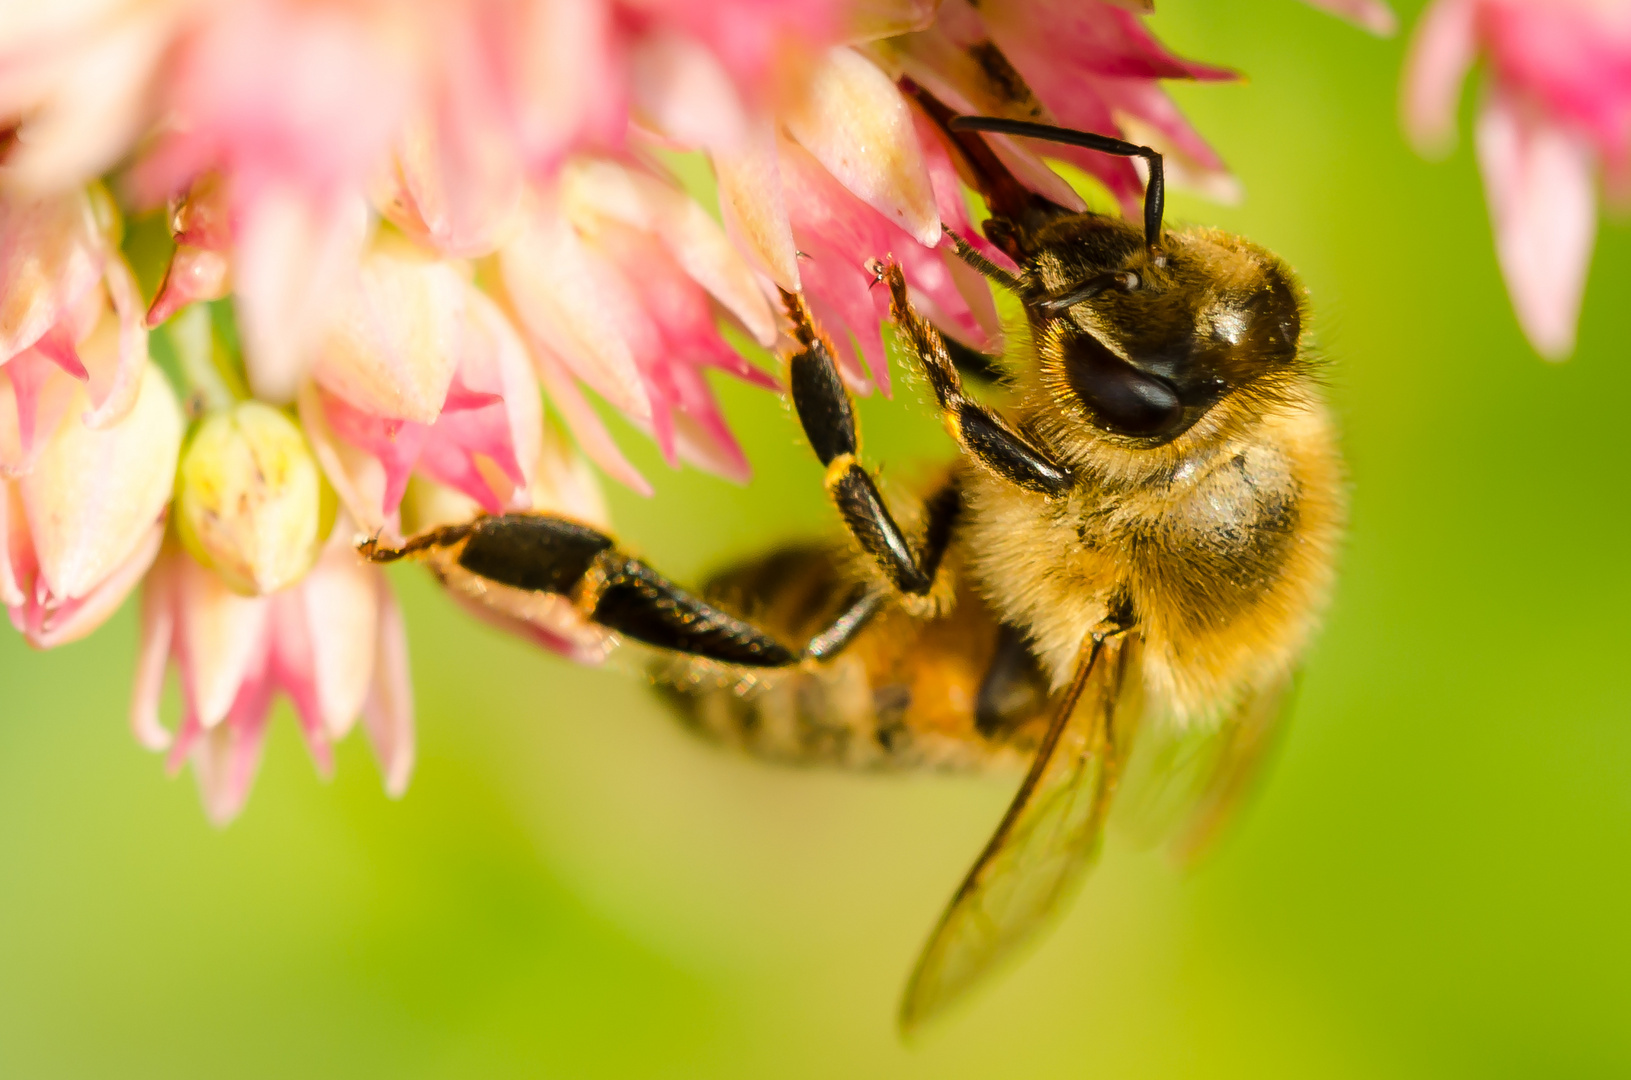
(390, 231)
(1555, 116)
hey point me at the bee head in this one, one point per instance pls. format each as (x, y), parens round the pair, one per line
(1147, 340)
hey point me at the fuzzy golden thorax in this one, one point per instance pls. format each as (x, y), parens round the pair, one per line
(1175, 384)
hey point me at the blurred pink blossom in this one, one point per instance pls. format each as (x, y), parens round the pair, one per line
(83, 524)
(1554, 118)
(335, 644)
(70, 314)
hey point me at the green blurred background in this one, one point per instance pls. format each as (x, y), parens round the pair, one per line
(1434, 883)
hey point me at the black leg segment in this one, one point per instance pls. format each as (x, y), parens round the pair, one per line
(828, 417)
(986, 437)
(640, 603)
(548, 554)
(869, 521)
(823, 406)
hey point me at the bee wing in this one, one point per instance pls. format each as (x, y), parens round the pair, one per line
(1046, 841)
(1185, 783)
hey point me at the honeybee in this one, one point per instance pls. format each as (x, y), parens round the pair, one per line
(1132, 552)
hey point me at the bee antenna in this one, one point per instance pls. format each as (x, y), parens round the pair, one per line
(1155, 192)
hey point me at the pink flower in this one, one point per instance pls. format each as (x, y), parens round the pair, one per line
(424, 373)
(619, 281)
(84, 523)
(335, 644)
(70, 314)
(1555, 115)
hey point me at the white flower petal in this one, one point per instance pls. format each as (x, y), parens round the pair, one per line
(391, 347)
(855, 122)
(691, 236)
(752, 205)
(574, 305)
(224, 636)
(341, 611)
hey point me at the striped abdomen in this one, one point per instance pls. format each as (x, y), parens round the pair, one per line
(955, 691)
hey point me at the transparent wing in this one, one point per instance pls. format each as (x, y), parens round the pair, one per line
(1045, 843)
(1184, 783)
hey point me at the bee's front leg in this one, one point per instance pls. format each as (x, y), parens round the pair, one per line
(983, 435)
(542, 553)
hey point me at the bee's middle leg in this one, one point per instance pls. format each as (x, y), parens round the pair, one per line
(828, 418)
(547, 554)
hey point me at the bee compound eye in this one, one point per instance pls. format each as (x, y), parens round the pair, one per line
(1121, 398)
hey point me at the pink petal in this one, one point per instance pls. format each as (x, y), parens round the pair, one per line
(51, 254)
(223, 640)
(358, 477)
(559, 63)
(751, 36)
(158, 630)
(577, 307)
(700, 428)
(753, 208)
(116, 352)
(1543, 204)
(310, 94)
(226, 758)
(49, 623)
(335, 615)
(57, 346)
(35, 392)
(503, 425)
(563, 483)
(1441, 54)
(1572, 59)
(458, 162)
(92, 496)
(586, 426)
(290, 666)
(388, 710)
(85, 91)
(1372, 15)
(17, 563)
(855, 122)
(601, 189)
(295, 255)
(392, 347)
(939, 60)
(193, 274)
(1086, 37)
(680, 89)
(395, 444)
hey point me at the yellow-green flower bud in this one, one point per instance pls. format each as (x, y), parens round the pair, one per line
(249, 498)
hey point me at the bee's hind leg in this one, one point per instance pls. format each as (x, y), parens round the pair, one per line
(544, 553)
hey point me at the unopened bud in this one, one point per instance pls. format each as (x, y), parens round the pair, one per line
(249, 498)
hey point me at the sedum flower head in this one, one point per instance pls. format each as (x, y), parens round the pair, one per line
(414, 223)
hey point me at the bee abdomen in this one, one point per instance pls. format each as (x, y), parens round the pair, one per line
(829, 716)
(903, 695)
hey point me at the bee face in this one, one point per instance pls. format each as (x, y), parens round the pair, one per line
(1146, 343)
